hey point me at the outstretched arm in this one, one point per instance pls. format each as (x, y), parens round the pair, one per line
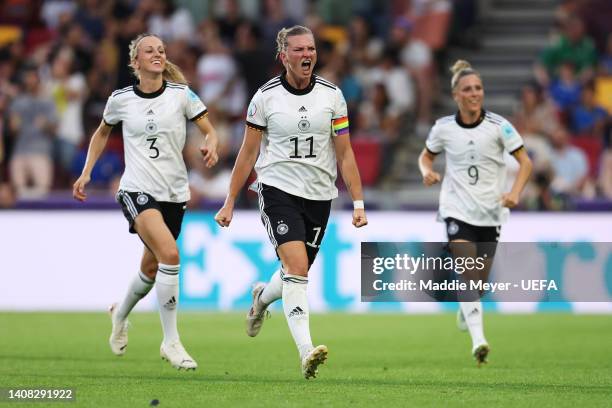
(247, 156)
(350, 175)
(96, 147)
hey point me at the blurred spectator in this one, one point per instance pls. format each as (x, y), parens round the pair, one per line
(170, 22)
(273, 19)
(230, 21)
(415, 56)
(398, 84)
(588, 118)
(90, 16)
(54, 12)
(220, 84)
(33, 121)
(253, 62)
(605, 61)
(570, 165)
(605, 174)
(68, 89)
(432, 21)
(565, 90)
(573, 46)
(535, 115)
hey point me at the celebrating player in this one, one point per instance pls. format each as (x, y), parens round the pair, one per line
(154, 188)
(472, 202)
(297, 131)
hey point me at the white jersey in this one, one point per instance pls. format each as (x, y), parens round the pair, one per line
(154, 131)
(475, 170)
(297, 151)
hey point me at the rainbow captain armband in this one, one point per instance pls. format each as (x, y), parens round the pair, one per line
(340, 125)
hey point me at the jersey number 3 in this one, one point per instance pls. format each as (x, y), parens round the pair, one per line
(154, 151)
(295, 154)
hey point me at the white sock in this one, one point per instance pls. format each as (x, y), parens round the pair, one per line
(295, 305)
(139, 287)
(166, 286)
(274, 289)
(472, 313)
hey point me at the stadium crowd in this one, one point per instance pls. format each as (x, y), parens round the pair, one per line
(61, 59)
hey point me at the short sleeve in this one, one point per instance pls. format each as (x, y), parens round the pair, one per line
(510, 138)
(256, 117)
(194, 107)
(111, 112)
(434, 143)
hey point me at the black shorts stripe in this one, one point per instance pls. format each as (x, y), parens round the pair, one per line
(264, 216)
(129, 204)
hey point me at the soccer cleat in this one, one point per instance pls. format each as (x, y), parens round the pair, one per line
(119, 334)
(257, 313)
(461, 324)
(480, 354)
(312, 360)
(176, 355)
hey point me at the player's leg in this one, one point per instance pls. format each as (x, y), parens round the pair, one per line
(153, 230)
(139, 287)
(275, 207)
(462, 239)
(295, 305)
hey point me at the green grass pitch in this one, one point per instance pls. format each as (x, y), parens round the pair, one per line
(382, 360)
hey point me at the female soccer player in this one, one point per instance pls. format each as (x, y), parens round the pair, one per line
(472, 202)
(297, 124)
(153, 189)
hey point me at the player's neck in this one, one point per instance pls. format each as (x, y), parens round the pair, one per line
(295, 82)
(469, 118)
(149, 84)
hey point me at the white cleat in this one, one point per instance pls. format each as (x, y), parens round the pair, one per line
(312, 360)
(176, 355)
(257, 313)
(119, 334)
(480, 353)
(461, 323)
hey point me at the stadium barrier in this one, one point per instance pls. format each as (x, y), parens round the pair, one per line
(83, 260)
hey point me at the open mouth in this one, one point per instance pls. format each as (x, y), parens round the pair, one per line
(306, 64)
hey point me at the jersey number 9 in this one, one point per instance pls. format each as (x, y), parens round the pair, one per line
(473, 173)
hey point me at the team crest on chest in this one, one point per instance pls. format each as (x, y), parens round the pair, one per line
(303, 124)
(150, 127)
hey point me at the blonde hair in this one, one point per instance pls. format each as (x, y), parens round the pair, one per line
(284, 33)
(172, 72)
(460, 69)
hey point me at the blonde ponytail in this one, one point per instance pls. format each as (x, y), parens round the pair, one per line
(460, 69)
(173, 73)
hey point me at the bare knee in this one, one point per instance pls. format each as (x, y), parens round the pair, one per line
(169, 255)
(149, 269)
(297, 268)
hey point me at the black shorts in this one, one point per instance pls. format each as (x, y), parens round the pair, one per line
(292, 218)
(456, 229)
(133, 204)
(488, 237)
